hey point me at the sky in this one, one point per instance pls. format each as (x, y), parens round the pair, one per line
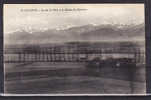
(41, 17)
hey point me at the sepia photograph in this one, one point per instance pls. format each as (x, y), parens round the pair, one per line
(74, 49)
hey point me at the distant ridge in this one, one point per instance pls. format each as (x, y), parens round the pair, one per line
(79, 33)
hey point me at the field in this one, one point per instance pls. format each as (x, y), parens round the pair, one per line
(70, 78)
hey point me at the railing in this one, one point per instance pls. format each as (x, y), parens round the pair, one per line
(19, 55)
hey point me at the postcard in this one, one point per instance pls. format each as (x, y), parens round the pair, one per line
(74, 49)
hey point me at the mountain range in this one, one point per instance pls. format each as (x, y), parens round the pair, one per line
(79, 33)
